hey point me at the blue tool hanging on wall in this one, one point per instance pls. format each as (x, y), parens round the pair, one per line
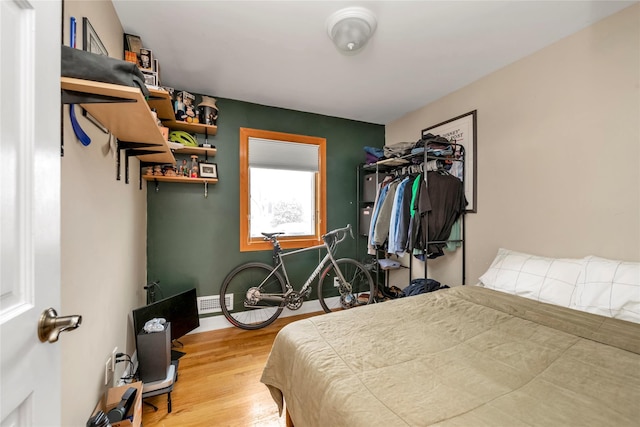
(77, 129)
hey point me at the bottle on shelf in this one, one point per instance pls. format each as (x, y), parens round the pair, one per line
(184, 169)
(194, 166)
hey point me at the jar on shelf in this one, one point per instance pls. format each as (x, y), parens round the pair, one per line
(184, 168)
(194, 166)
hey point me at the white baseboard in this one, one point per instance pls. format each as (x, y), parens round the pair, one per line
(214, 323)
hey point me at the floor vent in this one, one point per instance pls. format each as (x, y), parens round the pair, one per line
(211, 303)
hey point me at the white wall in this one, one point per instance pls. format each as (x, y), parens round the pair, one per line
(103, 242)
(558, 150)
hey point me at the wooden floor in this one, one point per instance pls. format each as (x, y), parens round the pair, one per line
(219, 381)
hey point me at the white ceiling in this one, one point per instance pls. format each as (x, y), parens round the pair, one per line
(277, 53)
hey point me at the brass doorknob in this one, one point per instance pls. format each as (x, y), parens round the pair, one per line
(50, 325)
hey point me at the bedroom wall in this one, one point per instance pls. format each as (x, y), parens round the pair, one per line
(558, 150)
(193, 241)
(103, 233)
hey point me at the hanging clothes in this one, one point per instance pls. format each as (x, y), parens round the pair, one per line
(381, 228)
(381, 194)
(399, 227)
(441, 202)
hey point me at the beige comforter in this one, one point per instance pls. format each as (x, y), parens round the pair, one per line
(466, 356)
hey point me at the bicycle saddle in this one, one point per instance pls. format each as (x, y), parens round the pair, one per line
(270, 235)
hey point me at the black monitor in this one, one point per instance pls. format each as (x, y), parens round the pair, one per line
(180, 309)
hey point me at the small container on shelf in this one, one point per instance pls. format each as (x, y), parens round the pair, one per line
(184, 169)
(194, 166)
(208, 111)
(170, 170)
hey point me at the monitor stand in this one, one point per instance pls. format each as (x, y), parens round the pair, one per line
(175, 354)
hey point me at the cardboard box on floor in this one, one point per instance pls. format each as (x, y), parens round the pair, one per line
(111, 399)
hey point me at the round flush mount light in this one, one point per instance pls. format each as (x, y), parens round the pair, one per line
(351, 28)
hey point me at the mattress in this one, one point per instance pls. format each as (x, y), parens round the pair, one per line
(457, 357)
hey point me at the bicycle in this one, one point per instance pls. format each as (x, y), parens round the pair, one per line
(259, 292)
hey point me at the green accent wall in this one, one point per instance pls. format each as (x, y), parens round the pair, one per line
(193, 241)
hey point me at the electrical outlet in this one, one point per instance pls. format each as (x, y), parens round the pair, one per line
(107, 371)
(113, 359)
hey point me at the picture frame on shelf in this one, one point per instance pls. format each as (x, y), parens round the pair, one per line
(145, 59)
(150, 78)
(156, 69)
(132, 43)
(90, 40)
(463, 130)
(92, 43)
(184, 106)
(208, 170)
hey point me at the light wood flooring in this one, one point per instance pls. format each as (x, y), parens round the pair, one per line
(219, 381)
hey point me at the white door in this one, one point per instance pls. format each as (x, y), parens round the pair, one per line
(30, 42)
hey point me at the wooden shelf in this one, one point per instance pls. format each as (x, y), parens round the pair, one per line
(191, 127)
(180, 179)
(200, 151)
(130, 119)
(161, 101)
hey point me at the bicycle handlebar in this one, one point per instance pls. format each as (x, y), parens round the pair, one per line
(337, 232)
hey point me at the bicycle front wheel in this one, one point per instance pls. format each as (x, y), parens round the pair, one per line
(251, 296)
(335, 295)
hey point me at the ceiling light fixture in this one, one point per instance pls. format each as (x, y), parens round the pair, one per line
(351, 28)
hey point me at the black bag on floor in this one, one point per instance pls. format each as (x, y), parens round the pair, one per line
(421, 286)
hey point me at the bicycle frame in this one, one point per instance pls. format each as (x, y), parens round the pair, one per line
(279, 264)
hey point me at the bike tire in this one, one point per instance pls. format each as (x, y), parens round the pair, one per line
(330, 293)
(238, 285)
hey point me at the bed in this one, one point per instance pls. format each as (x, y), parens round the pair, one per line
(465, 356)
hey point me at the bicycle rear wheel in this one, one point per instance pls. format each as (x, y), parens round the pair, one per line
(244, 290)
(334, 295)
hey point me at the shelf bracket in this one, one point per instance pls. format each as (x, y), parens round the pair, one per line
(131, 149)
(118, 162)
(127, 145)
(206, 189)
(131, 153)
(75, 97)
(126, 166)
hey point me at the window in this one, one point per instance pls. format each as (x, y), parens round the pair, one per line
(282, 188)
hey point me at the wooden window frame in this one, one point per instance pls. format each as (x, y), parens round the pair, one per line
(247, 243)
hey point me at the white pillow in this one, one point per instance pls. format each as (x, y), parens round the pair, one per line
(610, 288)
(550, 280)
